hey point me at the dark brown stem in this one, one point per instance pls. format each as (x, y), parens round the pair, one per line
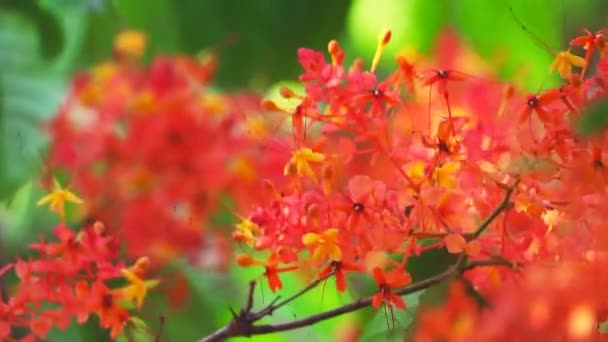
(243, 324)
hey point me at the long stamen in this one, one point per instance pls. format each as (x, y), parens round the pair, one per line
(383, 39)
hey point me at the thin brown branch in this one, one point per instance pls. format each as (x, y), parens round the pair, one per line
(250, 295)
(504, 205)
(277, 304)
(243, 324)
(494, 261)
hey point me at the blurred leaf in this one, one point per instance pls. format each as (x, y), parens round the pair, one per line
(595, 118)
(88, 331)
(414, 24)
(45, 23)
(28, 95)
(136, 330)
(379, 328)
(435, 295)
(497, 36)
(210, 295)
(430, 263)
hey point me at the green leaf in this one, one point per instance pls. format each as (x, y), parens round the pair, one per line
(136, 330)
(28, 94)
(430, 263)
(379, 328)
(43, 21)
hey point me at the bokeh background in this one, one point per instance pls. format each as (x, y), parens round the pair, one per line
(43, 43)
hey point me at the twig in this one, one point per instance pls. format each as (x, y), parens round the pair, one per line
(494, 261)
(160, 329)
(504, 205)
(275, 304)
(243, 324)
(250, 296)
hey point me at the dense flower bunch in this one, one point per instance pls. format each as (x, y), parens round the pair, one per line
(70, 279)
(383, 168)
(155, 150)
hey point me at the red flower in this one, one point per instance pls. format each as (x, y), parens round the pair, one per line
(386, 282)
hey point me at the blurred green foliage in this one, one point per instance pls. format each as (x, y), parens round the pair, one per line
(42, 43)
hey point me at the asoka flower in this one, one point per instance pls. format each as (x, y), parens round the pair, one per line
(137, 288)
(271, 266)
(563, 63)
(57, 199)
(386, 282)
(325, 244)
(299, 164)
(245, 232)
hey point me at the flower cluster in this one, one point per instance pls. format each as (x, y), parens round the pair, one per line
(155, 150)
(383, 168)
(69, 279)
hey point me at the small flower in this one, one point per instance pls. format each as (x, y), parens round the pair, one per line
(57, 199)
(244, 232)
(137, 288)
(325, 244)
(300, 163)
(563, 63)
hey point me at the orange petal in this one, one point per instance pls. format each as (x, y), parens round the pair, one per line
(455, 243)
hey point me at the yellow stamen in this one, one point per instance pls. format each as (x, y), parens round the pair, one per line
(383, 39)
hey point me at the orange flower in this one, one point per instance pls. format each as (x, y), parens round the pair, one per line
(563, 63)
(271, 269)
(456, 243)
(299, 163)
(137, 288)
(326, 245)
(57, 199)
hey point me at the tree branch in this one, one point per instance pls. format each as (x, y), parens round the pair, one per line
(243, 324)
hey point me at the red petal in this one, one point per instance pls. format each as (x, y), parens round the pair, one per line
(455, 243)
(397, 301)
(377, 300)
